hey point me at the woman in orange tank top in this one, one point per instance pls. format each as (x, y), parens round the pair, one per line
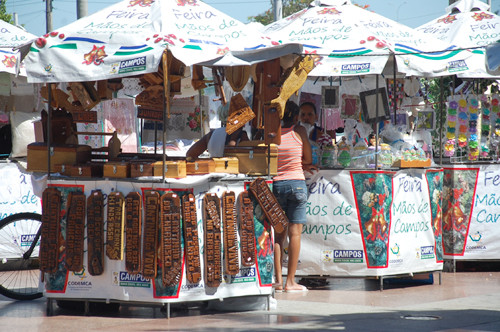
(289, 187)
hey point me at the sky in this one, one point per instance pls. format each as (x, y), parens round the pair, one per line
(413, 13)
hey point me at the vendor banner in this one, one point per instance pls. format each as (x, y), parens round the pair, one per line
(471, 218)
(371, 223)
(117, 282)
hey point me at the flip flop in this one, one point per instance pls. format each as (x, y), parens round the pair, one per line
(279, 291)
(303, 289)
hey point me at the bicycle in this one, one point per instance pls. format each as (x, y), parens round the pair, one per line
(19, 248)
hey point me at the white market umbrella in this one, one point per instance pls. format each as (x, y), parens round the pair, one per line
(467, 24)
(11, 37)
(129, 37)
(355, 41)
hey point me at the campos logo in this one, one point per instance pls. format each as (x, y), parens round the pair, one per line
(426, 252)
(355, 68)
(348, 256)
(458, 65)
(125, 279)
(129, 66)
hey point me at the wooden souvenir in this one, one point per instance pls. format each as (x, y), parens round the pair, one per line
(141, 168)
(212, 232)
(151, 98)
(133, 232)
(62, 154)
(228, 165)
(292, 80)
(115, 226)
(200, 166)
(117, 169)
(197, 78)
(95, 233)
(85, 93)
(88, 170)
(103, 91)
(173, 169)
(231, 263)
(190, 226)
(269, 204)
(254, 159)
(75, 228)
(266, 88)
(239, 114)
(247, 230)
(51, 224)
(171, 233)
(149, 245)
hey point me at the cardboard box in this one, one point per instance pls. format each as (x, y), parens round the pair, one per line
(173, 169)
(61, 155)
(228, 165)
(254, 158)
(117, 169)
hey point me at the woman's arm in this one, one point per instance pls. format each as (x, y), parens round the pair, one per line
(198, 148)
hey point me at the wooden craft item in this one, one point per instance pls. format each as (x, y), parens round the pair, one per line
(237, 76)
(190, 225)
(247, 230)
(231, 263)
(149, 245)
(269, 204)
(51, 225)
(103, 91)
(59, 99)
(170, 247)
(200, 166)
(115, 226)
(85, 93)
(133, 232)
(197, 78)
(265, 90)
(75, 228)
(212, 232)
(152, 98)
(95, 233)
(292, 81)
(239, 114)
(219, 90)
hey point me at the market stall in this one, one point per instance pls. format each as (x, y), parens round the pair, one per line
(138, 200)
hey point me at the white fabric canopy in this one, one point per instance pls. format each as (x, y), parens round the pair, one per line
(128, 38)
(467, 24)
(353, 41)
(10, 37)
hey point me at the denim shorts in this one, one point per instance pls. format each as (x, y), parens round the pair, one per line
(292, 196)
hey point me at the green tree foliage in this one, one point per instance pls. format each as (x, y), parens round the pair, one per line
(4, 16)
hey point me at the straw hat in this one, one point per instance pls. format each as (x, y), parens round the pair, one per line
(237, 76)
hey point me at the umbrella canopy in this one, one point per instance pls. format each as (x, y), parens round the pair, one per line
(467, 24)
(10, 37)
(353, 41)
(129, 37)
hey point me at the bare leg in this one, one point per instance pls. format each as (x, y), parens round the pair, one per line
(294, 234)
(279, 240)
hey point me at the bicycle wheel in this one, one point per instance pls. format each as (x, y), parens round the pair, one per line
(19, 276)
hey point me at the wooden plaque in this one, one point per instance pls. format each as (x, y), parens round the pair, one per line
(170, 249)
(149, 245)
(75, 228)
(51, 225)
(115, 226)
(133, 231)
(247, 230)
(269, 204)
(190, 225)
(95, 233)
(231, 263)
(212, 228)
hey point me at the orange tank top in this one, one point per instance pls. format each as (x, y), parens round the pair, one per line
(289, 156)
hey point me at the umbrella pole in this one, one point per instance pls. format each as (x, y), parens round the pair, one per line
(377, 122)
(49, 125)
(166, 108)
(394, 94)
(441, 103)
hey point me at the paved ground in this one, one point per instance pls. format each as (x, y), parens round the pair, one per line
(466, 301)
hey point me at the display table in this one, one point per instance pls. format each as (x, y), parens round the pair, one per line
(115, 284)
(367, 223)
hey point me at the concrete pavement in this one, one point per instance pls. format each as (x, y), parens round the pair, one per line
(466, 301)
